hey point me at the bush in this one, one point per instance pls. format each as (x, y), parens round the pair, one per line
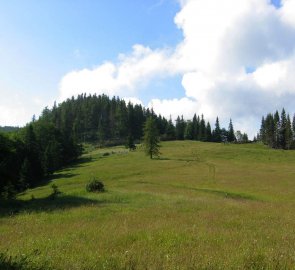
(95, 186)
(55, 192)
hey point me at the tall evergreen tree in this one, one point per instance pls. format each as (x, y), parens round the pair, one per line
(202, 130)
(170, 130)
(208, 132)
(217, 132)
(231, 133)
(283, 130)
(180, 128)
(189, 130)
(151, 138)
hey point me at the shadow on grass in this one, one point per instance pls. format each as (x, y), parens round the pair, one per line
(47, 204)
(22, 262)
(228, 194)
(178, 159)
(63, 173)
(81, 162)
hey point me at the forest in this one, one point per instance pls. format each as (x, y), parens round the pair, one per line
(30, 154)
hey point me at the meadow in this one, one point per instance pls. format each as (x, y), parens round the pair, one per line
(199, 206)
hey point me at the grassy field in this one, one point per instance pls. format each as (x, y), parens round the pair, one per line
(200, 206)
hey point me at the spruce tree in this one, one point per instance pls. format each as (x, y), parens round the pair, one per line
(151, 138)
(283, 129)
(231, 133)
(202, 130)
(170, 130)
(288, 133)
(217, 131)
(208, 132)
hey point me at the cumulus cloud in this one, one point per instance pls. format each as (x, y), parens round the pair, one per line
(174, 107)
(125, 77)
(133, 100)
(222, 40)
(26, 108)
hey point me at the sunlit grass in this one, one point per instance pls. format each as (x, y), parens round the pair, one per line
(200, 206)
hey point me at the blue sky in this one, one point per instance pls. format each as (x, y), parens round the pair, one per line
(40, 41)
(177, 56)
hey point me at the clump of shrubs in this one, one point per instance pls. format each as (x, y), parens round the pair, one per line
(95, 186)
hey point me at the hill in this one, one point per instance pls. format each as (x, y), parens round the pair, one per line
(8, 129)
(200, 206)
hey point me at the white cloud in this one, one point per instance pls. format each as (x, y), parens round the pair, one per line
(288, 12)
(174, 107)
(221, 39)
(122, 78)
(17, 109)
(133, 100)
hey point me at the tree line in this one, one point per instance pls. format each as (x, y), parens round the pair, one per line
(32, 153)
(277, 130)
(29, 154)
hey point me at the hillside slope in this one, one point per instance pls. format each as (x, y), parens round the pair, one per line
(200, 206)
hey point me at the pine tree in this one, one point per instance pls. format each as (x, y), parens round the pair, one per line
(189, 131)
(231, 133)
(283, 129)
(26, 172)
(170, 130)
(202, 130)
(217, 132)
(180, 128)
(208, 132)
(151, 138)
(288, 133)
(276, 119)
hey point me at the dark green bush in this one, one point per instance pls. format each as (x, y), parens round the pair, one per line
(55, 192)
(95, 186)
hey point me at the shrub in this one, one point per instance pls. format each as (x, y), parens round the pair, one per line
(95, 186)
(55, 192)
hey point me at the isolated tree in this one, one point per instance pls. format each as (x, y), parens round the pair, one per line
(151, 138)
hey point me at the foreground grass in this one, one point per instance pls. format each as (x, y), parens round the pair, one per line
(201, 206)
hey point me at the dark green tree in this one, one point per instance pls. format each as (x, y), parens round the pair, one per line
(180, 128)
(170, 131)
(231, 133)
(208, 132)
(217, 132)
(151, 138)
(130, 143)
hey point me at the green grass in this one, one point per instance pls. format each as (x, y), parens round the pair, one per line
(200, 206)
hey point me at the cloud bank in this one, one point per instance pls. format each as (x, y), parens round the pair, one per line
(236, 59)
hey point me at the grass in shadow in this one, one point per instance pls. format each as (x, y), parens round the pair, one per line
(47, 204)
(80, 162)
(229, 194)
(21, 262)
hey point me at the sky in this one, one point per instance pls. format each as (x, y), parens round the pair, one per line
(231, 58)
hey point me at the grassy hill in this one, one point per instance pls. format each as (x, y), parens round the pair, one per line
(200, 206)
